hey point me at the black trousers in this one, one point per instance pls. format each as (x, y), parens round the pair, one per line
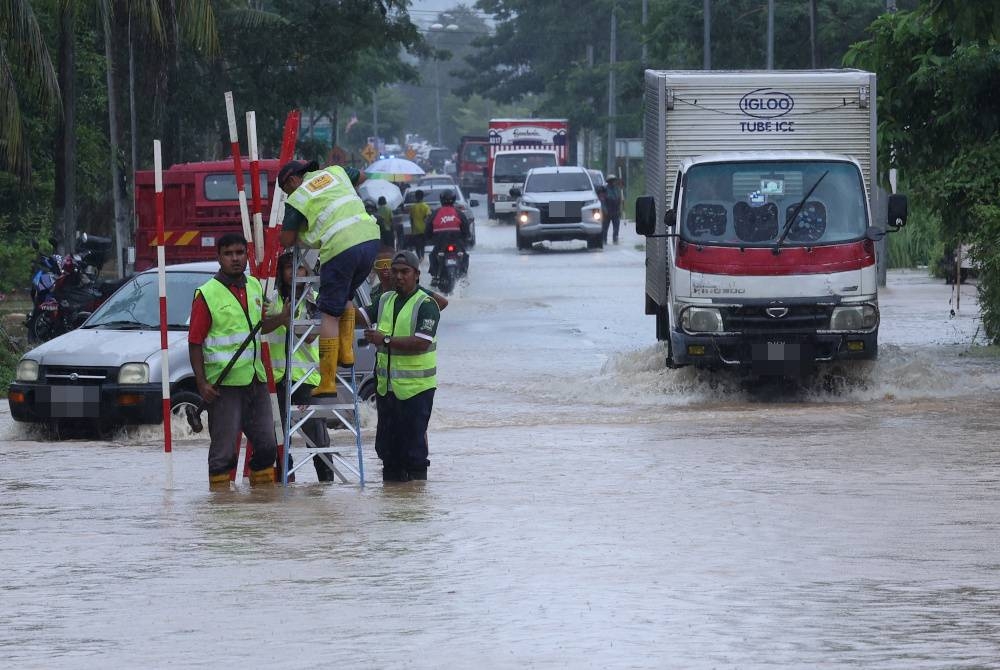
(401, 435)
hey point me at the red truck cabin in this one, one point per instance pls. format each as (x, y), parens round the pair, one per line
(200, 203)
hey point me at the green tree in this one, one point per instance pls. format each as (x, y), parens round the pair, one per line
(25, 72)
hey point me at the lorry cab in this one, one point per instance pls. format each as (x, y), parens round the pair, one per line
(510, 168)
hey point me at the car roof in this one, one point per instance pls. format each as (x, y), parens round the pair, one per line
(210, 267)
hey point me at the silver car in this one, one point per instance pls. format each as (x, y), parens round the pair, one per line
(558, 203)
(108, 371)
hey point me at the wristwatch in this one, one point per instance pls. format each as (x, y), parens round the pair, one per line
(386, 340)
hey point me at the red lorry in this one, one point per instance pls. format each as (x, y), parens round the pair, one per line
(473, 156)
(200, 203)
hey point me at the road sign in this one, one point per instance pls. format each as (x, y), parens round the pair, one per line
(369, 153)
(410, 153)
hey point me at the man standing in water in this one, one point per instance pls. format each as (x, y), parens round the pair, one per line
(406, 321)
(225, 311)
(324, 212)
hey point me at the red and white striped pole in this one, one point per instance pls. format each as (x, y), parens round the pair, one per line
(162, 278)
(241, 194)
(257, 215)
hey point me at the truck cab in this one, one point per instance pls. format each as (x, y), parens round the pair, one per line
(509, 169)
(753, 227)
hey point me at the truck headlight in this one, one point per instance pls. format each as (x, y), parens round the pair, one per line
(854, 318)
(701, 320)
(526, 216)
(27, 370)
(133, 373)
(592, 214)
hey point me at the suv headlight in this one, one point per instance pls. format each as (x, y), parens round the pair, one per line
(526, 216)
(27, 370)
(854, 318)
(133, 373)
(701, 320)
(591, 214)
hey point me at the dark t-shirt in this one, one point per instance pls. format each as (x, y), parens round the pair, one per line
(295, 220)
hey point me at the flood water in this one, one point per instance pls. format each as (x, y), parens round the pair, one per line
(586, 508)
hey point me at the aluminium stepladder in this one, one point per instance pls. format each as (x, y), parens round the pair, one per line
(337, 458)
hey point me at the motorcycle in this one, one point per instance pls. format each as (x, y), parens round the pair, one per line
(67, 289)
(452, 265)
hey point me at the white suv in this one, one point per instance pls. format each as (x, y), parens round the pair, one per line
(558, 203)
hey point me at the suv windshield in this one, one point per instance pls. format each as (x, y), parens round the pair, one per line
(514, 167)
(138, 301)
(747, 204)
(558, 181)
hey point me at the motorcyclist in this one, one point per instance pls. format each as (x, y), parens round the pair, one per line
(449, 225)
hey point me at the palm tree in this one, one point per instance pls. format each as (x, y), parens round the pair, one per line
(26, 72)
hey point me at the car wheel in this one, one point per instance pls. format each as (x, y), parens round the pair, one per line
(183, 401)
(595, 242)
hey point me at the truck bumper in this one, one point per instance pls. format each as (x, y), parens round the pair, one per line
(108, 403)
(778, 355)
(473, 184)
(536, 232)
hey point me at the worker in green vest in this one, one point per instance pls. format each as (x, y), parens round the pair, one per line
(304, 362)
(324, 212)
(225, 311)
(405, 333)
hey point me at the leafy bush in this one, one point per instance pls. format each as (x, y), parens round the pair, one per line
(986, 251)
(15, 266)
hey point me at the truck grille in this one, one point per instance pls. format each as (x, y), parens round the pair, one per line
(754, 319)
(560, 212)
(84, 376)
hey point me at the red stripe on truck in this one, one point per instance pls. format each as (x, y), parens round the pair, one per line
(763, 262)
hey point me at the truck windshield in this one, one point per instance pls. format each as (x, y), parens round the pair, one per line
(558, 181)
(223, 186)
(514, 167)
(747, 204)
(474, 153)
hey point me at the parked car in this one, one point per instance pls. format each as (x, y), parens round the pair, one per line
(558, 203)
(432, 196)
(108, 371)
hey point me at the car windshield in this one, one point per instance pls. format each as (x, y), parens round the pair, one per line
(514, 167)
(552, 182)
(432, 196)
(748, 204)
(137, 303)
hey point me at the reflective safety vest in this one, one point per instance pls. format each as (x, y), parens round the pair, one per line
(446, 220)
(303, 358)
(403, 373)
(230, 327)
(335, 215)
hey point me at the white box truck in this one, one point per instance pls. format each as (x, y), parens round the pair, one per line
(760, 250)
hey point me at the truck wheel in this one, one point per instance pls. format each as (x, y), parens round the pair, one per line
(490, 212)
(595, 242)
(522, 244)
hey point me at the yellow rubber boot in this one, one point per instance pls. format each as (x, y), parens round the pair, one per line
(327, 367)
(218, 482)
(264, 477)
(347, 337)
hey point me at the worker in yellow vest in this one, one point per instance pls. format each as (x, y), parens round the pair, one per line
(405, 333)
(324, 212)
(225, 311)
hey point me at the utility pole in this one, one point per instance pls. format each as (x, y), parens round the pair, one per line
(770, 34)
(588, 135)
(707, 35)
(375, 118)
(611, 91)
(812, 32)
(645, 17)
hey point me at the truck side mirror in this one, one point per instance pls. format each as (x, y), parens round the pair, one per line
(515, 192)
(473, 203)
(645, 215)
(897, 210)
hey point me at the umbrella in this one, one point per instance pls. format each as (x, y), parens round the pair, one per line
(373, 188)
(394, 169)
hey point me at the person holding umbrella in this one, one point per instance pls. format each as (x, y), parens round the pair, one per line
(324, 212)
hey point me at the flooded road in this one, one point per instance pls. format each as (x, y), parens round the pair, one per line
(586, 508)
